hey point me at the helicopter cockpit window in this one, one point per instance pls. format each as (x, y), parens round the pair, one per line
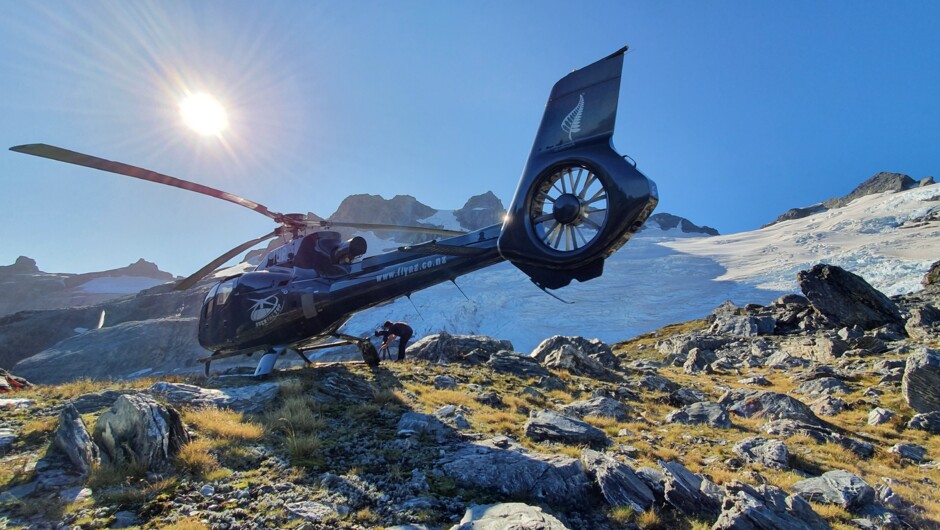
(211, 294)
(225, 289)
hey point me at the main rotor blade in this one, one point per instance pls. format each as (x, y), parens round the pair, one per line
(398, 228)
(71, 157)
(219, 261)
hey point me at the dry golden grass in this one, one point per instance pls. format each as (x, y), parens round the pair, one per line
(222, 423)
(493, 421)
(434, 398)
(186, 523)
(621, 515)
(107, 475)
(297, 413)
(291, 388)
(649, 520)
(196, 457)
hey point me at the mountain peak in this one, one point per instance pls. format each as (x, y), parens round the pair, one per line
(22, 265)
(667, 221)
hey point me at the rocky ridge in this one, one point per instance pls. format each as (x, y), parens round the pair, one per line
(711, 422)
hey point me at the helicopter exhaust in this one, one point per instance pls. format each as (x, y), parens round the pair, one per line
(578, 200)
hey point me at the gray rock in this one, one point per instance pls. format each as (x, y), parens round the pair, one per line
(508, 516)
(923, 322)
(769, 406)
(249, 399)
(879, 415)
(7, 438)
(683, 344)
(921, 383)
(705, 412)
(314, 511)
(743, 325)
(125, 519)
(828, 406)
(619, 484)
(766, 507)
(417, 423)
(446, 411)
(657, 383)
(15, 403)
(444, 382)
(138, 430)
(500, 466)
(549, 425)
(846, 299)
(823, 386)
(929, 422)
(764, 451)
(686, 396)
(447, 348)
(758, 380)
(699, 361)
(72, 438)
(691, 494)
(599, 406)
(913, 452)
(655, 480)
(508, 362)
(836, 487)
(580, 356)
(888, 498)
(782, 360)
(787, 428)
(489, 398)
(341, 386)
(96, 401)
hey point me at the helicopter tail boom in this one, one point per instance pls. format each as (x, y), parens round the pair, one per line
(578, 200)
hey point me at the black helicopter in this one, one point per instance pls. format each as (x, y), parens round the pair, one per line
(577, 202)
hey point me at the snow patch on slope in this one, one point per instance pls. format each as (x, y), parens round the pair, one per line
(119, 284)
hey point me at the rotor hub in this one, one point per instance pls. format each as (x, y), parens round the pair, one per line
(567, 208)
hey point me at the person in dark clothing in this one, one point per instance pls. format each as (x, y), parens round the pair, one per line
(399, 330)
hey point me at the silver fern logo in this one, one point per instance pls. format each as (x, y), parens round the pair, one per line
(265, 310)
(572, 122)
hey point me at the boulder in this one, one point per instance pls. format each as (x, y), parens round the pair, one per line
(823, 386)
(782, 360)
(138, 430)
(10, 382)
(743, 325)
(72, 438)
(836, 487)
(691, 494)
(821, 435)
(758, 380)
(845, 299)
(828, 406)
(879, 415)
(767, 452)
(7, 437)
(929, 422)
(768, 405)
(600, 406)
(914, 452)
(619, 484)
(705, 412)
(508, 515)
(415, 423)
(683, 344)
(580, 356)
(508, 362)
(96, 401)
(446, 348)
(699, 360)
(445, 382)
(686, 396)
(549, 425)
(501, 466)
(15, 403)
(248, 399)
(657, 383)
(923, 322)
(765, 507)
(931, 279)
(342, 386)
(921, 382)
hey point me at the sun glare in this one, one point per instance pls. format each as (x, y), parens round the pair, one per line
(204, 114)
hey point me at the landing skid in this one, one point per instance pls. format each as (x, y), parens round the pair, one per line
(266, 364)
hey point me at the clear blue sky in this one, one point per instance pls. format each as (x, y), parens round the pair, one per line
(738, 110)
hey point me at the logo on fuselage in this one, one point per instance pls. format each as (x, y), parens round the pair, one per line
(265, 310)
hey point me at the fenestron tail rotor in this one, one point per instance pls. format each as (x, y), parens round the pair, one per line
(292, 223)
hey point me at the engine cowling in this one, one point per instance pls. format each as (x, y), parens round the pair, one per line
(578, 200)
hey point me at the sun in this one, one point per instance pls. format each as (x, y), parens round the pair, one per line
(204, 114)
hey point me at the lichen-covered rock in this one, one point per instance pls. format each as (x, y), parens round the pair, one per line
(836, 487)
(72, 438)
(509, 516)
(507, 468)
(766, 508)
(769, 406)
(251, 398)
(823, 386)
(921, 382)
(690, 493)
(580, 356)
(705, 412)
(764, 451)
(138, 430)
(619, 484)
(549, 425)
(446, 348)
(828, 406)
(600, 406)
(845, 299)
(879, 415)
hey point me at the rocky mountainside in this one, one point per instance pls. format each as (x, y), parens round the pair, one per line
(814, 411)
(879, 183)
(24, 287)
(667, 221)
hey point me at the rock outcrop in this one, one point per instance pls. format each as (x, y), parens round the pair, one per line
(137, 430)
(921, 382)
(847, 300)
(580, 356)
(446, 348)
